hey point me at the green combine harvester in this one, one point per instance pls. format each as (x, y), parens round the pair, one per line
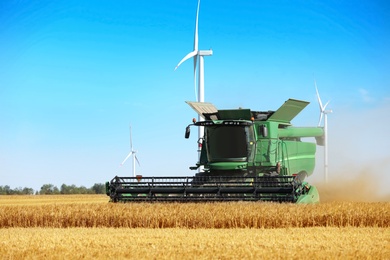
(245, 156)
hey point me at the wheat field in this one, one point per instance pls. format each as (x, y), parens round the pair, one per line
(87, 226)
(180, 243)
(91, 211)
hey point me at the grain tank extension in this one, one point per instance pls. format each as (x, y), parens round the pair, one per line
(245, 156)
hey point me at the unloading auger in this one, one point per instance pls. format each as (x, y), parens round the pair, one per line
(245, 156)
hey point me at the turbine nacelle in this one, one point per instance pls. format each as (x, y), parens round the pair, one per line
(194, 54)
(205, 53)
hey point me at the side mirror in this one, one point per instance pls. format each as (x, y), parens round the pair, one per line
(264, 130)
(187, 134)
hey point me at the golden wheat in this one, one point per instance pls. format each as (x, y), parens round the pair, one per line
(108, 243)
(87, 226)
(94, 212)
(28, 200)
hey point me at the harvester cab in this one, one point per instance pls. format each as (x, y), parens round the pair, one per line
(242, 142)
(245, 155)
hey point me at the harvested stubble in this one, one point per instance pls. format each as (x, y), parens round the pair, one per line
(124, 243)
(193, 215)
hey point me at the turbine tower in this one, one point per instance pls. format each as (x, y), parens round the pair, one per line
(198, 54)
(133, 154)
(324, 113)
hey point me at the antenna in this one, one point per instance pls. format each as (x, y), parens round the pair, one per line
(132, 153)
(324, 113)
(198, 54)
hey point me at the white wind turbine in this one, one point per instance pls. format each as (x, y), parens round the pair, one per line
(324, 113)
(198, 54)
(133, 154)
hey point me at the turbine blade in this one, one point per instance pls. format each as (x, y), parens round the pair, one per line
(137, 159)
(127, 157)
(319, 121)
(326, 105)
(318, 97)
(196, 28)
(189, 55)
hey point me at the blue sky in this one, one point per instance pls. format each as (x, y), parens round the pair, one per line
(75, 74)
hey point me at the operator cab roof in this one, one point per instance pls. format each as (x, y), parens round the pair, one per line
(290, 109)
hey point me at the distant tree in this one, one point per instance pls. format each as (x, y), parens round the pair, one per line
(73, 189)
(98, 188)
(7, 190)
(46, 189)
(49, 189)
(17, 191)
(65, 189)
(28, 191)
(84, 190)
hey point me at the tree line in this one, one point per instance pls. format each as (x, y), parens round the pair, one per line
(97, 188)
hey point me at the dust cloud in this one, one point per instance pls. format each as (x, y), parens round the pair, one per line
(359, 156)
(364, 187)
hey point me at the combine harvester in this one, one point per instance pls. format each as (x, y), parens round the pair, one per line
(245, 156)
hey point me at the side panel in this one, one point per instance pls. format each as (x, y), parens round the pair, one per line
(267, 152)
(298, 156)
(294, 155)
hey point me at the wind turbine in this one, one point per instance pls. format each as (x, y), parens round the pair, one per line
(133, 154)
(198, 54)
(324, 113)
